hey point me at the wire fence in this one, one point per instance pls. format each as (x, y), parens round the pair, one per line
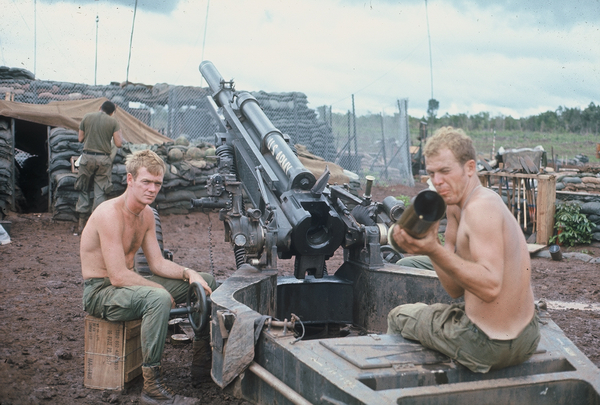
(375, 144)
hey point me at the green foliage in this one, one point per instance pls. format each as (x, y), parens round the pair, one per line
(563, 119)
(568, 131)
(572, 227)
(432, 108)
(405, 199)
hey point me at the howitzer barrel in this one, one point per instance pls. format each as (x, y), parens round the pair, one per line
(270, 138)
(427, 208)
(214, 79)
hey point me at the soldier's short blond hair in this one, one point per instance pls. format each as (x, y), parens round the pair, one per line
(145, 158)
(454, 139)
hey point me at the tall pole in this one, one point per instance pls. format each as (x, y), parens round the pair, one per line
(131, 41)
(204, 39)
(96, 61)
(383, 147)
(357, 168)
(429, 38)
(34, 37)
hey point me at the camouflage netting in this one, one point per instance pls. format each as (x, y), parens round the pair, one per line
(185, 177)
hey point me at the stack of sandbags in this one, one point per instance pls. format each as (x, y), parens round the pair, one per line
(64, 144)
(591, 210)
(188, 167)
(6, 161)
(579, 182)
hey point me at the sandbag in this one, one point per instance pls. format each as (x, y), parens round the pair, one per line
(66, 155)
(59, 164)
(65, 181)
(63, 137)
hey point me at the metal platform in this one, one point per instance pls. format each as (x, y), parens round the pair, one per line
(376, 368)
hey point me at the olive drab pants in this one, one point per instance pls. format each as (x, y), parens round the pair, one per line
(447, 329)
(151, 304)
(96, 171)
(418, 262)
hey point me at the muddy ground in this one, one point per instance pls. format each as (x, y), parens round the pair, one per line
(42, 323)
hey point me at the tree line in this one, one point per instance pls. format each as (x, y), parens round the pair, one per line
(563, 119)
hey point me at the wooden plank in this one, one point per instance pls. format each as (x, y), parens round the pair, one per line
(546, 198)
(133, 350)
(516, 175)
(535, 247)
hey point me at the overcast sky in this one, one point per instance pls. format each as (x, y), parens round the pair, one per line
(513, 57)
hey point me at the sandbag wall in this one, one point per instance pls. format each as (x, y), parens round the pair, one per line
(6, 162)
(586, 182)
(188, 168)
(290, 114)
(64, 144)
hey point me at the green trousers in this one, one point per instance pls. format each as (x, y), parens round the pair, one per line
(447, 329)
(94, 171)
(418, 262)
(150, 304)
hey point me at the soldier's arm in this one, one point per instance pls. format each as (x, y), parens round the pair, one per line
(118, 138)
(156, 261)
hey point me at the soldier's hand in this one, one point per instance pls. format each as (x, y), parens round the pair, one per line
(195, 277)
(416, 246)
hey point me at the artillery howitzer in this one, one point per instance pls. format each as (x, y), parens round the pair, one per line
(292, 214)
(274, 208)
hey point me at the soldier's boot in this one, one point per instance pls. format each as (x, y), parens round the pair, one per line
(156, 392)
(201, 361)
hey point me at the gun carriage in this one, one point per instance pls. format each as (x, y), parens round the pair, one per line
(273, 209)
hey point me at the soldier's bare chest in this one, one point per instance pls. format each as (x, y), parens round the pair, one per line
(133, 236)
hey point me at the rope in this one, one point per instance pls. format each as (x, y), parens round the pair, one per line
(117, 358)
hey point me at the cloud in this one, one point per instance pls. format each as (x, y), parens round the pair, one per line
(154, 6)
(551, 13)
(502, 57)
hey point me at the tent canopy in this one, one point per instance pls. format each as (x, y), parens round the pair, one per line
(68, 114)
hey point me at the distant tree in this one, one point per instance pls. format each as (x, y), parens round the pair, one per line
(512, 124)
(590, 118)
(480, 121)
(432, 108)
(547, 122)
(570, 119)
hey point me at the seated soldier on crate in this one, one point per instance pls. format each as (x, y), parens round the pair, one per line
(114, 291)
(484, 258)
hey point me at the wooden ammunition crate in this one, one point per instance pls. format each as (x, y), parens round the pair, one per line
(113, 353)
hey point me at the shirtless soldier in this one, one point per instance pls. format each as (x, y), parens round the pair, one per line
(484, 258)
(114, 291)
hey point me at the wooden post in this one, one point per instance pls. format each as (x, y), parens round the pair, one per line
(546, 199)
